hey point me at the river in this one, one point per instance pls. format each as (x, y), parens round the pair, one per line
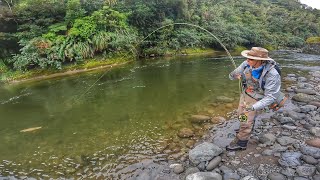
(132, 115)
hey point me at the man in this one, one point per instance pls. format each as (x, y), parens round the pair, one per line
(261, 84)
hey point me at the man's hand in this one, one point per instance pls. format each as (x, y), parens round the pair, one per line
(237, 76)
(246, 108)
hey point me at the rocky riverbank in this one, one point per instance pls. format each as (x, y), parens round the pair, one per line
(284, 145)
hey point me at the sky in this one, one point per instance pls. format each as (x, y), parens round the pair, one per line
(312, 3)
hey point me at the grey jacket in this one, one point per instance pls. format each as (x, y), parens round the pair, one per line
(272, 85)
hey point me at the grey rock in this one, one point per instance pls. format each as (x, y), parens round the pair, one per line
(316, 177)
(290, 89)
(144, 176)
(288, 172)
(285, 140)
(308, 126)
(309, 159)
(204, 152)
(204, 176)
(177, 168)
(231, 176)
(306, 170)
(290, 79)
(300, 178)
(286, 133)
(314, 103)
(214, 163)
(276, 176)
(315, 131)
(289, 127)
(279, 148)
(267, 152)
(290, 159)
(286, 120)
(291, 75)
(267, 139)
(300, 97)
(294, 115)
(202, 166)
(311, 151)
(308, 108)
(191, 170)
(302, 79)
(243, 172)
(225, 169)
(305, 91)
(249, 178)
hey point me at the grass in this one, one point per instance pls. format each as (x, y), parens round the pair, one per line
(10, 75)
(189, 51)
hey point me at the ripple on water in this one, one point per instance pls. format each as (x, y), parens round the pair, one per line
(15, 98)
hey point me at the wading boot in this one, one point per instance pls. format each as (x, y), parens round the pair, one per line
(237, 145)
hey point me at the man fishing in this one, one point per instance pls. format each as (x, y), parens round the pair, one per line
(261, 82)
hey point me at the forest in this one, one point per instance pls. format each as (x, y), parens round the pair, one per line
(50, 34)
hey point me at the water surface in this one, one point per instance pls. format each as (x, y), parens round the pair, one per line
(132, 114)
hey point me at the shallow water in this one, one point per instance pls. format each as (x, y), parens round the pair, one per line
(130, 116)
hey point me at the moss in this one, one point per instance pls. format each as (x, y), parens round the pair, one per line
(313, 40)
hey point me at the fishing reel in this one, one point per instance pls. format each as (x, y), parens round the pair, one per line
(243, 118)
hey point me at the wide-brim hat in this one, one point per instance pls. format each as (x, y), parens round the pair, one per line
(256, 53)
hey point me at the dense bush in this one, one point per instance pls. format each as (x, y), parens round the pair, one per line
(51, 33)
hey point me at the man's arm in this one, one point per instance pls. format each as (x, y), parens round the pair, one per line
(271, 92)
(235, 73)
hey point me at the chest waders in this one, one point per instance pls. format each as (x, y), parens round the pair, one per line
(251, 87)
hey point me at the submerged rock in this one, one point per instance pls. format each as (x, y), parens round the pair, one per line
(185, 133)
(225, 99)
(200, 118)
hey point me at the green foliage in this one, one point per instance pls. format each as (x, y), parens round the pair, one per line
(52, 33)
(74, 11)
(83, 28)
(313, 40)
(101, 40)
(108, 19)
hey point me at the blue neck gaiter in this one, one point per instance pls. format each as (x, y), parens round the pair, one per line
(256, 73)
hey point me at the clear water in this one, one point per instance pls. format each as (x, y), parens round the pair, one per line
(130, 115)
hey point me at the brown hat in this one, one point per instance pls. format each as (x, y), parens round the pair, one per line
(256, 53)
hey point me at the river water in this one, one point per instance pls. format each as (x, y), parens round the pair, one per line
(130, 116)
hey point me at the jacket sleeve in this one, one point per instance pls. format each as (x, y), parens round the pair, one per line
(238, 70)
(271, 90)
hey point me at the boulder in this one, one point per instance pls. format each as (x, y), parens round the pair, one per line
(204, 152)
